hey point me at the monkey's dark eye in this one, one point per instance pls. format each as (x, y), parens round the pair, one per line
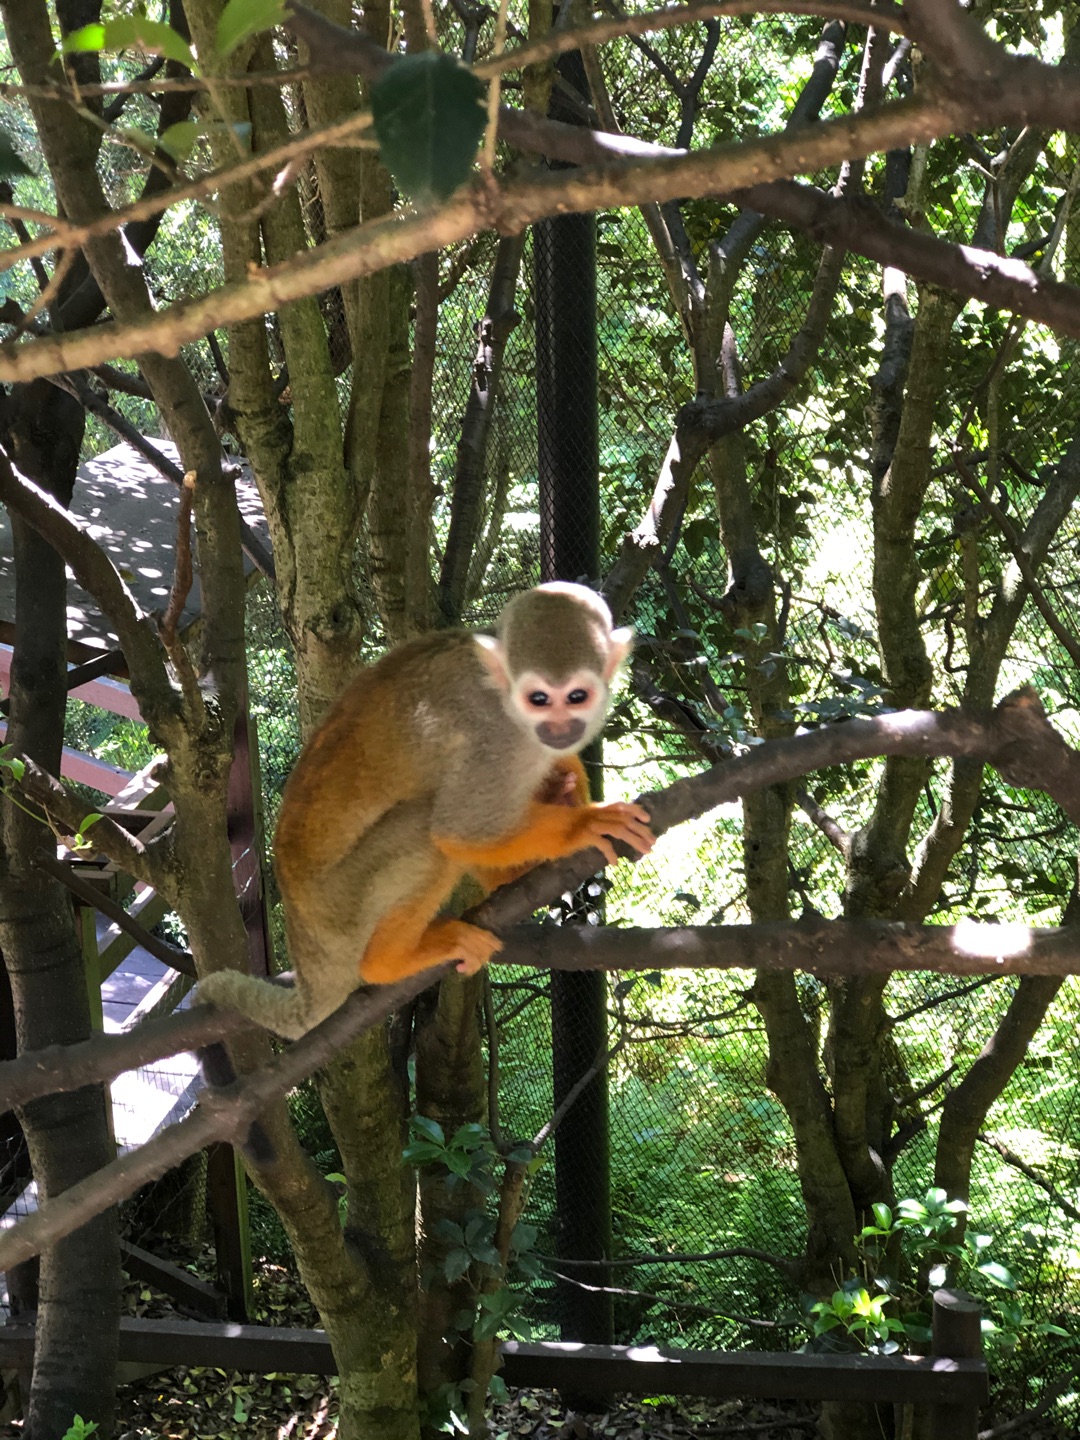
(578, 697)
(538, 698)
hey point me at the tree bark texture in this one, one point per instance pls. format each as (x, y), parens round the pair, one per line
(68, 1135)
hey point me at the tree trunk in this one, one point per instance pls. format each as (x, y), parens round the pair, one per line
(68, 1135)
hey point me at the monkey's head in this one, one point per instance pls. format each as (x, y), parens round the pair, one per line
(553, 661)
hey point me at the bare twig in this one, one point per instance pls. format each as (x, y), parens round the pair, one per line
(1069, 642)
(1035, 1176)
(835, 833)
(297, 146)
(584, 1080)
(182, 572)
(70, 813)
(783, 1263)
(181, 589)
(596, 32)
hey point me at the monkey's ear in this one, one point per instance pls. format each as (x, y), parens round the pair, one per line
(494, 661)
(622, 642)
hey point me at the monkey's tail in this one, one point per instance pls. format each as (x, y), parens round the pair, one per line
(279, 1008)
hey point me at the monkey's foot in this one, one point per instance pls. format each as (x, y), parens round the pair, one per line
(472, 946)
(598, 825)
(391, 957)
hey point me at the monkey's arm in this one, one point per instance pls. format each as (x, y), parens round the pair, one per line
(553, 831)
(566, 783)
(407, 939)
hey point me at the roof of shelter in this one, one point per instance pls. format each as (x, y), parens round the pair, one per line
(130, 509)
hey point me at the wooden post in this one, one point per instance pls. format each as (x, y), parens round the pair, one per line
(226, 1192)
(957, 1336)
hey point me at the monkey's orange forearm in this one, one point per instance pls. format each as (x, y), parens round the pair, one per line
(546, 835)
(566, 783)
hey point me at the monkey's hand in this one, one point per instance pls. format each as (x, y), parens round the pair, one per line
(596, 826)
(554, 831)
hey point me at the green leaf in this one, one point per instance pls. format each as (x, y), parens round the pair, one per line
(152, 37)
(477, 1227)
(12, 165)
(242, 18)
(469, 1136)
(421, 1153)
(12, 763)
(429, 118)
(524, 1237)
(456, 1264)
(90, 37)
(487, 1327)
(429, 1129)
(80, 1429)
(132, 32)
(179, 139)
(998, 1274)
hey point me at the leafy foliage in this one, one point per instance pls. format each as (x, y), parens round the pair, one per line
(429, 119)
(241, 19)
(879, 1310)
(131, 32)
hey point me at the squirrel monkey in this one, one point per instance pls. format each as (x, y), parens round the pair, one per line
(454, 754)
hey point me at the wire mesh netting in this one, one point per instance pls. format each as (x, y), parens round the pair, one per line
(700, 1154)
(702, 1157)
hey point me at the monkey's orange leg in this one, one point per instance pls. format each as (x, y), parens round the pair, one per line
(399, 947)
(552, 831)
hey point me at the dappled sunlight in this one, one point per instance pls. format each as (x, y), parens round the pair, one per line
(991, 942)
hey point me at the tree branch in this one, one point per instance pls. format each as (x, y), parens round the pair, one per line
(1016, 737)
(225, 1114)
(112, 840)
(820, 947)
(721, 170)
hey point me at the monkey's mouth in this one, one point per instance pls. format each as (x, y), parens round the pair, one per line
(560, 737)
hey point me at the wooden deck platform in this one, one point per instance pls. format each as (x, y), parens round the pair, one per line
(130, 508)
(156, 1095)
(147, 1099)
